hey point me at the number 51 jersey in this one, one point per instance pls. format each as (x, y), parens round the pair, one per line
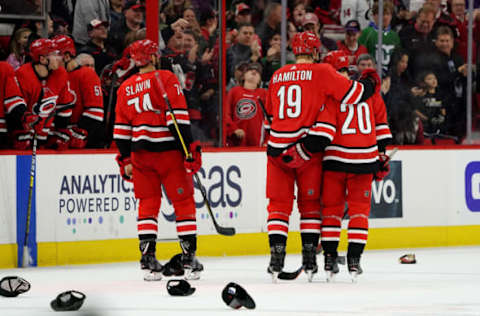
(296, 98)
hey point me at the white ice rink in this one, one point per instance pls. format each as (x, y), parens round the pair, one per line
(445, 281)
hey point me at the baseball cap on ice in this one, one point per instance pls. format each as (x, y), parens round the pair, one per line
(235, 296)
(179, 287)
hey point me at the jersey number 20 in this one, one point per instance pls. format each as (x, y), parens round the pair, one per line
(363, 117)
(293, 98)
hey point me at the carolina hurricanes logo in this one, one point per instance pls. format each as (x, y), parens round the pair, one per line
(246, 109)
(45, 107)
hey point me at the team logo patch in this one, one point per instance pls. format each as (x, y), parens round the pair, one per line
(310, 192)
(246, 109)
(367, 193)
(180, 190)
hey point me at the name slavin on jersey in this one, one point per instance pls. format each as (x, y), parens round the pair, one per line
(293, 76)
(139, 87)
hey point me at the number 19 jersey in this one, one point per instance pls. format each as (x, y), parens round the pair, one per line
(296, 98)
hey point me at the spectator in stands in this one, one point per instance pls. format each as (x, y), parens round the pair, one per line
(391, 40)
(355, 10)
(312, 24)
(432, 105)
(406, 126)
(208, 29)
(63, 9)
(237, 77)
(364, 61)
(246, 48)
(86, 11)
(60, 26)
(132, 20)
(97, 46)
(459, 15)
(86, 60)
(18, 46)
(298, 12)
(271, 62)
(135, 36)
(272, 18)
(193, 25)
(37, 31)
(442, 18)
(243, 14)
(418, 37)
(174, 10)
(350, 45)
(116, 9)
(243, 114)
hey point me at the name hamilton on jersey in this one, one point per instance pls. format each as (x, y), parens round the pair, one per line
(297, 75)
(138, 87)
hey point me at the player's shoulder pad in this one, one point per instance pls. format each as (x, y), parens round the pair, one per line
(6, 69)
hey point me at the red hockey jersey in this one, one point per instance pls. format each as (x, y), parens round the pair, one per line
(358, 131)
(141, 115)
(86, 85)
(10, 96)
(243, 111)
(44, 96)
(295, 97)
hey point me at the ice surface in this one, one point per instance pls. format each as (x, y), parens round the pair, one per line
(445, 281)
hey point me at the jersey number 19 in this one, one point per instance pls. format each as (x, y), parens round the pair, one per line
(293, 99)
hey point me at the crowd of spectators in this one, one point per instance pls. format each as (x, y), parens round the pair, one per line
(423, 55)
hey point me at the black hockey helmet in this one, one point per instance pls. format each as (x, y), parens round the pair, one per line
(235, 296)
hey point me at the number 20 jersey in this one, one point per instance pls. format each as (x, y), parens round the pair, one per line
(296, 98)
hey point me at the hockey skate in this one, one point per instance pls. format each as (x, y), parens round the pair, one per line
(191, 266)
(149, 262)
(331, 266)
(309, 261)
(354, 267)
(277, 260)
(154, 268)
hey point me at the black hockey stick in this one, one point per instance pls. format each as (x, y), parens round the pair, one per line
(108, 114)
(264, 110)
(227, 231)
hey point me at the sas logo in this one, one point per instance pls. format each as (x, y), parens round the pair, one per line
(472, 186)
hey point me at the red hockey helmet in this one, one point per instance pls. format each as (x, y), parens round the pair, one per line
(337, 58)
(65, 45)
(305, 43)
(140, 51)
(42, 47)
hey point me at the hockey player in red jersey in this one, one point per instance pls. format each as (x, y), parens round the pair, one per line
(351, 161)
(12, 105)
(151, 155)
(295, 99)
(243, 115)
(86, 124)
(45, 87)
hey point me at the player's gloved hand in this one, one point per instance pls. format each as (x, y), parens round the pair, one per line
(123, 162)
(384, 170)
(295, 156)
(22, 140)
(58, 139)
(194, 163)
(371, 74)
(78, 137)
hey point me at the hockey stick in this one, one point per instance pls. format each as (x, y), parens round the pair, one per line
(108, 114)
(265, 112)
(26, 257)
(227, 231)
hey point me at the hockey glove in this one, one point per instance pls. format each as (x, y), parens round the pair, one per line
(122, 163)
(58, 139)
(371, 74)
(78, 137)
(295, 156)
(194, 163)
(384, 170)
(22, 140)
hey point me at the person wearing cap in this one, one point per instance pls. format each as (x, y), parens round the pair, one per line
(86, 11)
(350, 44)
(243, 14)
(98, 46)
(243, 114)
(131, 20)
(311, 23)
(236, 79)
(391, 40)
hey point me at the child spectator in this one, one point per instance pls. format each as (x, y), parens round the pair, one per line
(18, 47)
(432, 109)
(243, 114)
(369, 36)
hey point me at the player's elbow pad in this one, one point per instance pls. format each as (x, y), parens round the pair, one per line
(368, 89)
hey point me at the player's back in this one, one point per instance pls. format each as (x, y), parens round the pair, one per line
(295, 95)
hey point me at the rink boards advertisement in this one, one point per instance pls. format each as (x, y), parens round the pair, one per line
(430, 198)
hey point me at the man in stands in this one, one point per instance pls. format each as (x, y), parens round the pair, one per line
(295, 98)
(86, 124)
(132, 20)
(98, 46)
(147, 133)
(11, 103)
(354, 157)
(350, 45)
(49, 100)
